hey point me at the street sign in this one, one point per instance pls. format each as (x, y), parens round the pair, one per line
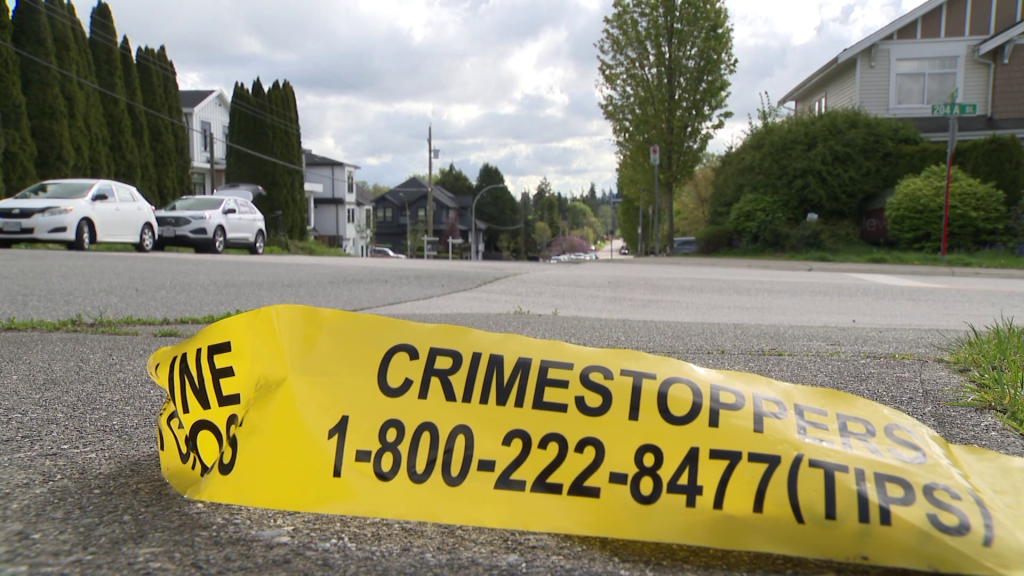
(954, 109)
(655, 155)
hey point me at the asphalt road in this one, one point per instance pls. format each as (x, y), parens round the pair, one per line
(80, 485)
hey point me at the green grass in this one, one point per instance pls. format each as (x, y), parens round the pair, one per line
(992, 360)
(167, 333)
(107, 325)
(273, 246)
(866, 253)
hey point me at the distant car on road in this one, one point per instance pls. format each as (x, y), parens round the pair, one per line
(383, 252)
(212, 223)
(624, 250)
(78, 213)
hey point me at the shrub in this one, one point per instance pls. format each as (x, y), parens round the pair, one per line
(839, 233)
(828, 164)
(759, 219)
(713, 238)
(996, 160)
(976, 211)
(806, 236)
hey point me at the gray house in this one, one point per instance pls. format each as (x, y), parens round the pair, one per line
(403, 209)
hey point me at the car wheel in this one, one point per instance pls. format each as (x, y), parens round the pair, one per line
(146, 239)
(83, 236)
(217, 245)
(258, 245)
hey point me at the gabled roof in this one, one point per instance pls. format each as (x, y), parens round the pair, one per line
(413, 189)
(317, 160)
(363, 197)
(192, 98)
(852, 52)
(999, 38)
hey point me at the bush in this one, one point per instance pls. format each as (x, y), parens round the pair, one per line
(761, 220)
(996, 160)
(713, 238)
(839, 233)
(828, 164)
(805, 236)
(977, 214)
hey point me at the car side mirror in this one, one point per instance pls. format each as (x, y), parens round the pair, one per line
(230, 211)
(100, 196)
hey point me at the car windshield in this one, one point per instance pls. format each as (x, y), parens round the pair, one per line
(56, 190)
(195, 204)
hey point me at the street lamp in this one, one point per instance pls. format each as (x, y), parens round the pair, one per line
(472, 239)
(408, 241)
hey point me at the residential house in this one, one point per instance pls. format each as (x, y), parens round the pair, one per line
(920, 58)
(392, 211)
(341, 211)
(207, 112)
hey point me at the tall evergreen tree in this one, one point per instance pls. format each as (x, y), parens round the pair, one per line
(454, 180)
(107, 58)
(18, 162)
(498, 207)
(71, 89)
(180, 162)
(140, 131)
(100, 162)
(41, 85)
(238, 167)
(3, 145)
(159, 130)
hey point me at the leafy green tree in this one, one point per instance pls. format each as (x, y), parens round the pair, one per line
(100, 161)
(664, 68)
(19, 155)
(375, 189)
(547, 212)
(455, 181)
(106, 57)
(180, 171)
(977, 212)
(498, 207)
(542, 234)
(147, 182)
(41, 86)
(73, 93)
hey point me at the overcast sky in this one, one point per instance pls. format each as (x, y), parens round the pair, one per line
(510, 82)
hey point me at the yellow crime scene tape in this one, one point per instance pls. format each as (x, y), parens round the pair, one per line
(314, 410)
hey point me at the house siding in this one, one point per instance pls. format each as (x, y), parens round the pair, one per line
(1009, 85)
(874, 83)
(981, 17)
(931, 24)
(330, 214)
(956, 18)
(975, 89)
(218, 115)
(1006, 14)
(843, 92)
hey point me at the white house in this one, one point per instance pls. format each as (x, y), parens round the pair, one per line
(206, 112)
(920, 58)
(342, 211)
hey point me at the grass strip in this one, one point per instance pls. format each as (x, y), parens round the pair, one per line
(992, 360)
(867, 254)
(107, 325)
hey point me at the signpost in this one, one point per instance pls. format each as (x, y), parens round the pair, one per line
(953, 111)
(655, 160)
(453, 241)
(426, 246)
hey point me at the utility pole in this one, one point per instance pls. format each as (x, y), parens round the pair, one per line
(213, 167)
(430, 182)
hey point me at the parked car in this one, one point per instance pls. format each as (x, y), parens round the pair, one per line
(212, 223)
(685, 245)
(78, 213)
(383, 252)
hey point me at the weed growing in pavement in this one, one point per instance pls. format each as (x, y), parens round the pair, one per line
(519, 310)
(992, 360)
(168, 333)
(103, 324)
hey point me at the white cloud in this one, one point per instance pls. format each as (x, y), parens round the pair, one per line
(510, 82)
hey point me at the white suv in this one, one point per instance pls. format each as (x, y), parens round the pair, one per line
(212, 223)
(79, 213)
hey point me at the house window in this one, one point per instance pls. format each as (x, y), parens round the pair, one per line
(421, 214)
(819, 105)
(351, 183)
(199, 184)
(207, 129)
(369, 222)
(925, 81)
(351, 216)
(385, 214)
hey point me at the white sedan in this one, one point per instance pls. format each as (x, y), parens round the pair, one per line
(78, 213)
(212, 223)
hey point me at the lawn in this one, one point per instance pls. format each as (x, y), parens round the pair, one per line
(867, 253)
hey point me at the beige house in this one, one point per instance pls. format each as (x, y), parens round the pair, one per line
(920, 58)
